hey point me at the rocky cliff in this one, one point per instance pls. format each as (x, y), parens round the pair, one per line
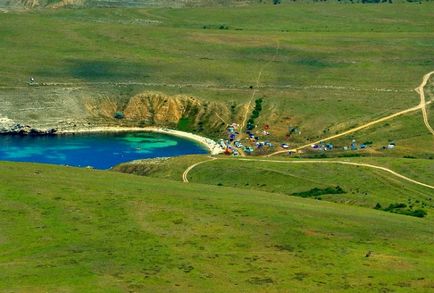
(44, 109)
(157, 109)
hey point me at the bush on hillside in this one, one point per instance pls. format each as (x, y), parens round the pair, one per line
(119, 115)
(403, 209)
(255, 114)
(320, 191)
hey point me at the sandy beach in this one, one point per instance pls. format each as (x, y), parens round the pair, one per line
(213, 147)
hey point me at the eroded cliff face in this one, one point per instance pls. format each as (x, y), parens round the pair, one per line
(44, 3)
(30, 3)
(44, 108)
(66, 3)
(157, 109)
(101, 107)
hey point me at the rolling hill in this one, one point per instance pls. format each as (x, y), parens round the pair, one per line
(67, 229)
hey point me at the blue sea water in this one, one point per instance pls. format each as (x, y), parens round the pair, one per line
(100, 151)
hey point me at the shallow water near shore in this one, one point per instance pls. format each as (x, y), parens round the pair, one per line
(100, 151)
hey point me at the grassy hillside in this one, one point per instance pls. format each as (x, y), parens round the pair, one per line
(361, 186)
(336, 66)
(172, 168)
(66, 229)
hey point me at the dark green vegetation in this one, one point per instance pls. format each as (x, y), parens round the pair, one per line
(316, 192)
(119, 115)
(66, 229)
(255, 114)
(185, 124)
(402, 208)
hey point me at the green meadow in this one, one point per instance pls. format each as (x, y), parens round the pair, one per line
(73, 230)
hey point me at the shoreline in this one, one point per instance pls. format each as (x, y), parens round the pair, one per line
(213, 147)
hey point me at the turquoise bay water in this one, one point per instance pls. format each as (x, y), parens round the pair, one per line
(100, 151)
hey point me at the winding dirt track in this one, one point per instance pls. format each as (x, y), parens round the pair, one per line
(421, 106)
(423, 103)
(396, 174)
(185, 174)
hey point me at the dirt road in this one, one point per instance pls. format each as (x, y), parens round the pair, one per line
(185, 174)
(421, 106)
(423, 103)
(396, 174)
